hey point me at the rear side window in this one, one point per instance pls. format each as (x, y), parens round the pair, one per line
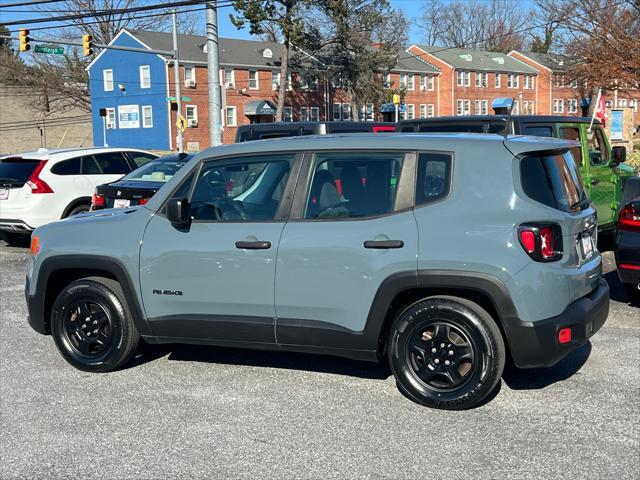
(573, 133)
(538, 131)
(16, 170)
(67, 167)
(353, 185)
(434, 177)
(553, 180)
(112, 163)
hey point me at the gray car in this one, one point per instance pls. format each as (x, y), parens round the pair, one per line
(442, 254)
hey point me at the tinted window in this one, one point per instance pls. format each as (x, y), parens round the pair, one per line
(112, 163)
(353, 185)
(538, 131)
(573, 133)
(243, 190)
(598, 153)
(476, 128)
(90, 166)
(141, 158)
(67, 167)
(552, 179)
(434, 175)
(159, 170)
(16, 170)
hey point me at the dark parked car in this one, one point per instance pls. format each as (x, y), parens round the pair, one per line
(263, 131)
(140, 185)
(628, 249)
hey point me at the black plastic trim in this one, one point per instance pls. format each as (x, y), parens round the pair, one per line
(213, 327)
(35, 303)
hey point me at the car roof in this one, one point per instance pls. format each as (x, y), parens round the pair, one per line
(501, 118)
(52, 153)
(388, 141)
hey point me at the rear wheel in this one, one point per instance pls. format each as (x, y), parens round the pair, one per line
(79, 209)
(446, 352)
(92, 325)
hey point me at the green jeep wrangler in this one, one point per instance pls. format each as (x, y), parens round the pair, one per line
(610, 183)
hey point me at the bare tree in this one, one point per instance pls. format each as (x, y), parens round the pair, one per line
(495, 25)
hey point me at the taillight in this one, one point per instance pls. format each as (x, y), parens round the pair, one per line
(383, 128)
(36, 184)
(542, 242)
(143, 201)
(97, 201)
(629, 219)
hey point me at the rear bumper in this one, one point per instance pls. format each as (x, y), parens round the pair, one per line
(15, 226)
(628, 253)
(535, 344)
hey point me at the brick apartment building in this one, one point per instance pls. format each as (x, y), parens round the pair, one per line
(135, 89)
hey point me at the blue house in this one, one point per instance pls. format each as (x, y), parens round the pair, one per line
(132, 87)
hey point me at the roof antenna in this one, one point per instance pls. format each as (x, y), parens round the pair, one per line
(508, 127)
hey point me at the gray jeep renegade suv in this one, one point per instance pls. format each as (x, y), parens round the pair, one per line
(442, 253)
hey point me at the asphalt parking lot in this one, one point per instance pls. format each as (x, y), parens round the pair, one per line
(195, 412)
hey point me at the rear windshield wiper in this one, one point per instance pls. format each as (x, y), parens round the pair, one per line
(581, 204)
(10, 180)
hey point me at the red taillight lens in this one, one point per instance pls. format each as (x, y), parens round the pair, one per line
(564, 335)
(143, 201)
(542, 242)
(528, 240)
(97, 201)
(546, 239)
(629, 219)
(36, 184)
(628, 266)
(383, 128)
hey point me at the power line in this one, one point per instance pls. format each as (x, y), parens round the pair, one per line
(26, 4)
(107, 12)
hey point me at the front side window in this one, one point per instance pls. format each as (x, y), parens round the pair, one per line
(107, 80)
(108, 163)
(434, 177)
(598, 153)
(244, 190)
(353, 185)
(145, 76)
(573, 133)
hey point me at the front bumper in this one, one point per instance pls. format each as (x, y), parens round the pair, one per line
(535, 344)
(35, 308)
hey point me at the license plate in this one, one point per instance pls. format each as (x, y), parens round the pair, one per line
(121, 203)
(4, 193)
(586, 244)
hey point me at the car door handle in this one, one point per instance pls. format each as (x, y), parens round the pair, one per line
(383, 244)
(244, 245)
(595, 181)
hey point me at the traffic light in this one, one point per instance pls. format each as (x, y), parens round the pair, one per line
(24, 40)
(87, 45)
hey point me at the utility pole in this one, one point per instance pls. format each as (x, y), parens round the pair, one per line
(176, 77)
(213, 71)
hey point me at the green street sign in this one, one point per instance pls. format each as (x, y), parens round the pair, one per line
(186, 99)
(173, 99)
(49, 49)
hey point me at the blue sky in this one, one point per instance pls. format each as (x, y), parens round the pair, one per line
(411, 8)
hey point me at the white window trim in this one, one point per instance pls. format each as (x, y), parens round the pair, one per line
(497, 82)
(478, 79)
(150, 108)
(459, 78)
(257, 87)
(338, 107)
(431, 109)
(111, 126)
(411, 82)
(107, 82)
(317, 115)
(423, 110)
(234, 117)
(189, 68)
(411, 111)
(284, 114)
(304, 117)
(195, 112)
(467, 79)
(232, 83)
(142, 69)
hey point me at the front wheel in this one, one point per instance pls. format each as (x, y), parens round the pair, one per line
(446, 352)
(92, 325)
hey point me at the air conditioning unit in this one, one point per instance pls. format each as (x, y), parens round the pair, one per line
(190, 83)
(192, 122)
(229, 85)
(423, 88)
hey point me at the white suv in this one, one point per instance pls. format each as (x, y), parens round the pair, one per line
(46, 185)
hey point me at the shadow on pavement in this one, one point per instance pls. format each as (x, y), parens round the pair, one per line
(537, 378)
(258, 358)
(616, 288)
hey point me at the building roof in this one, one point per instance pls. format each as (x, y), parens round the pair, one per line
(408, 62)
(555, 63)
(464, 59)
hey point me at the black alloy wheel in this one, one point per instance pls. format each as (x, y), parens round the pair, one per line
(446, 352)
(87, 327)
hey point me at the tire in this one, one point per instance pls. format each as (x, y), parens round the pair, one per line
(633, 294)
(79, 209)
(15, 239)
(108, 339)
(472, 333)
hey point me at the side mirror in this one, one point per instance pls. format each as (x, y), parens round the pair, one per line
(619, 155)
(178, 212)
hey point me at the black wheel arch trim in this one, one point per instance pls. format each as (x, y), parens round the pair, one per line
(91, 263)
(75, 203)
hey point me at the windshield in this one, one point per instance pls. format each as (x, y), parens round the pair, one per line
(160, 170)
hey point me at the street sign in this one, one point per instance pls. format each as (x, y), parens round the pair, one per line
(396, 99)
(49, 49)
(186, 99)
(173, 99)
(181, 123)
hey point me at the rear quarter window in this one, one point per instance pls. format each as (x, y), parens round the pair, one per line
(67, 167)
(434, 177)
